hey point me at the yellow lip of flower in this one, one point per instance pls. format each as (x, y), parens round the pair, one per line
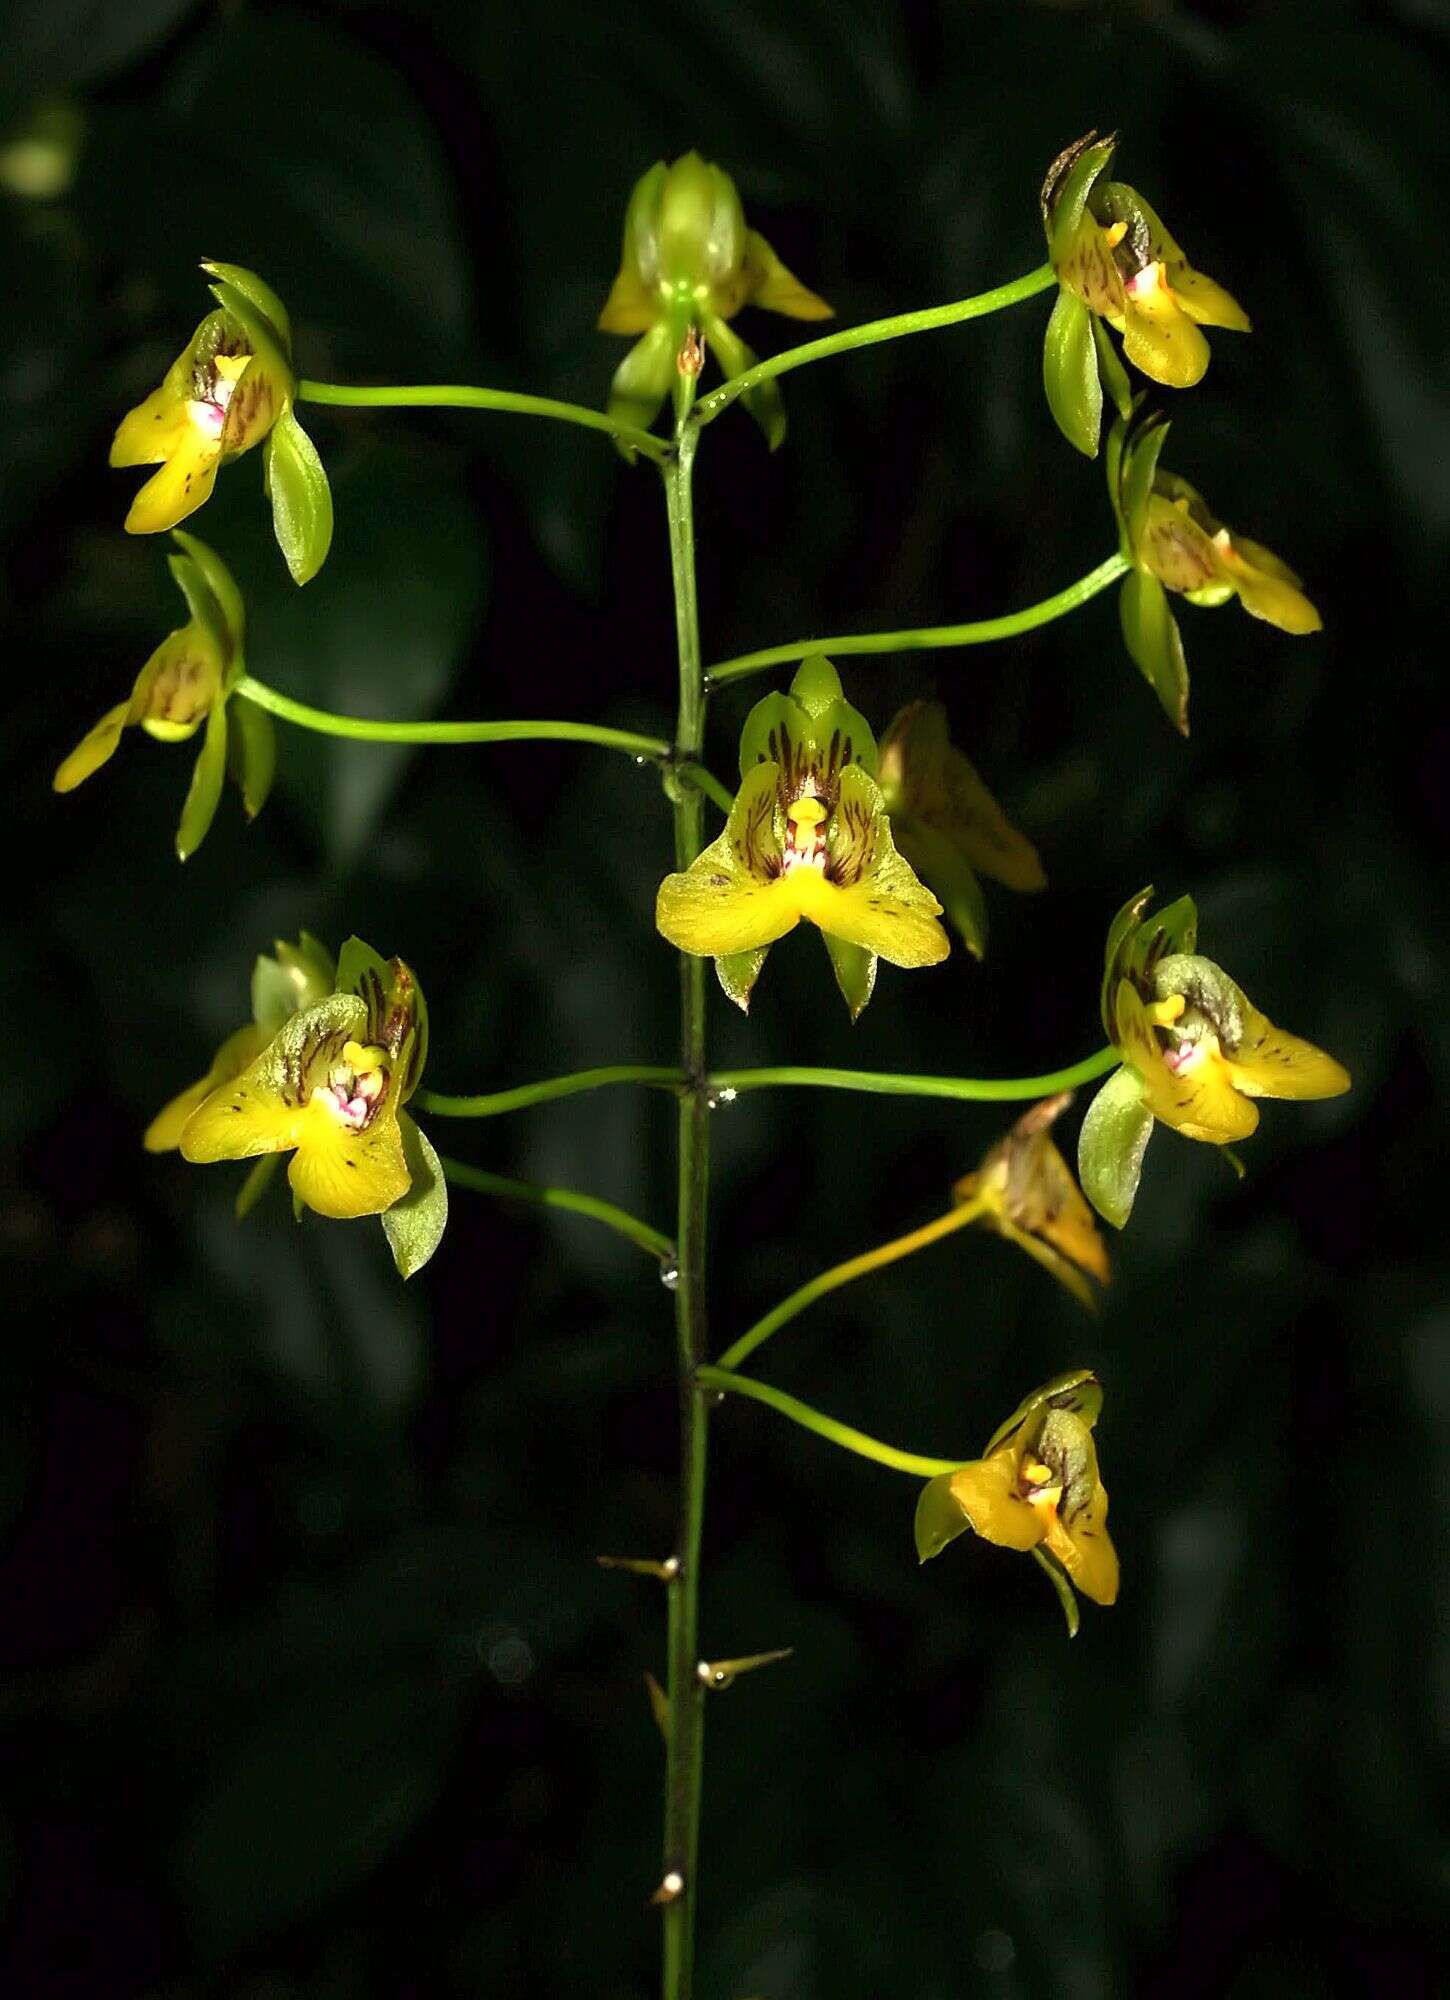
(1037, 1488)
(1204, 1053)
(174, 692)
(1028, 1195)
(222, 395)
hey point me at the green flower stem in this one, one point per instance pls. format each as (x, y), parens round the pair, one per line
(363, 730)
(826, 1427)
(980, 633)
(872, 333)
(453, 396)
(539, 1196)
(493, 1102)
(885, 1083)
(845, 1274)
(685, 1749)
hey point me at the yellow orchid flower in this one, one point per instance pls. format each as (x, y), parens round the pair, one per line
(1197, 1054)
(946, 823)
(807, 837)
(1036, 1488)
(689, 264)
(329, 1087)
(1168, 534)
(1118, 266)
(292, 978)
(185, 683)
(231, 387)
(1026, 1192)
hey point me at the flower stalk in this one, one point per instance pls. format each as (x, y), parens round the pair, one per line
(685, 1745)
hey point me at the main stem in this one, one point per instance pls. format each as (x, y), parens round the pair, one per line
(679, 1887)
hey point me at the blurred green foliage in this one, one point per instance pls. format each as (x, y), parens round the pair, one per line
(311, 1686)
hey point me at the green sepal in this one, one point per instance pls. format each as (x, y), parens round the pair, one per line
(1111, 1145)
(206, 786)
(266, 342)
(301, 497)
(1111, 372)
(817, 687)
(414, 1224)
(1066, 189)
(641, 382)
(1066, 1595)
(1078, 1391)
(1070, 374)
(1172, 932)
(297, 977)
(951, 880)
(1154, 643)
(252, 754)
(939, 1519)
(256, 1184)
(764, 402)
(221, 583)
(373, 978)
(1117, 952)
(257, 293)
(202, 604)
(738, 971)
(1140, 466)
(855, 970)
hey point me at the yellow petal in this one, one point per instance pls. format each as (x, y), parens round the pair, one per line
(263, 1110)
(1175, 548)
(95, 748)
(1199, 1100)
(1085, 1550)
(733, 897)
(1205, 301)
(153, 430)
(1270, 1063)
(986, 1492)
(770, 285)
(1043, 1198)
(1264, 593)
(343, 1173)
(1088, 270)
(1158, 336)
(163, 1134)
(1051, 1259)
(629, 307)
(183, 484)
(875, 899)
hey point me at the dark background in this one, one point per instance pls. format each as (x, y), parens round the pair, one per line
(310, 1684)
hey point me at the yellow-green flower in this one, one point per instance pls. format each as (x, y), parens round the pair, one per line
(291, 979)
(946, 822)
(1035, 1488)
(808, 837)
(231, 387)
(185, 683)
(688, 266)
(1167, 533)
(329, 1086)
(1197, 1054)
(1026, 1192)
(1117, 266)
